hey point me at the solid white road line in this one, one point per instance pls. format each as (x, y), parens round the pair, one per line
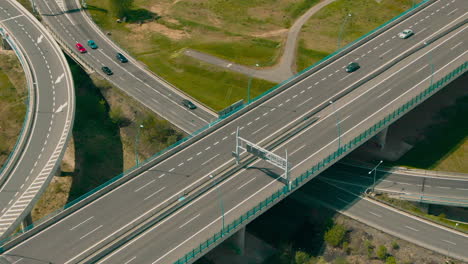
(452, 48)
(307, 100)
(193, 218)
(420, 69)
(381, 55)
(301, 147)
(130, 260)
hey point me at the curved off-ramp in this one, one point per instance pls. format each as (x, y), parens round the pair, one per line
(49, 116)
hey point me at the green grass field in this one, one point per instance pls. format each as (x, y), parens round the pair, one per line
(232, 30)
(321, 33)
(12, 106)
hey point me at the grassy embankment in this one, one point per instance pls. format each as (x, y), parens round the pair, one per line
(247, 32)
(319, 36)
(13, 94)
(103, 145)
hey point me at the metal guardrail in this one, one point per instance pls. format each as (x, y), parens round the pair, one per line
(299, 181)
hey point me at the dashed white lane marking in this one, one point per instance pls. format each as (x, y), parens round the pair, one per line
(463, 189)
(162, 175)
(249, 123)
(191, 219)
(130, 260)
(382, 94)
(381, 55)
(171, 170)
(224, 138)
(199, 153)
(411, 228)
(316, 83)
(17, 261)
(422, 30)
(92, 231)
(342, 120)
(256, 119)
(307, 100)
(450, 242)
(287, 100)
(180, 164)
(422, 68)
(189, 159)
(208, 148)
(258, 130)
(216, 143)
(299, 148)
(243, 185)
(148, 183)
(210, 159)
(452, 48)
(158, 191)
(375, 214)
(82, 223)
(443, 187)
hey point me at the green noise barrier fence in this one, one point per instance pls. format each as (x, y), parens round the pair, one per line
(361, 138)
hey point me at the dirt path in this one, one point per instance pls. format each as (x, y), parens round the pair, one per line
(282, 70)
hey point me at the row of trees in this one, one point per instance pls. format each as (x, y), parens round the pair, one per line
(121, 7)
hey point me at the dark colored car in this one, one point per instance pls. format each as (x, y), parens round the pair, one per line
(121, 58)
(92, 44)
(107, 70)
(188, 104)
(353, 66)
(80, 48)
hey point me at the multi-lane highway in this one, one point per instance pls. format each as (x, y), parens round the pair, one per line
(50, 115)
(71, 25)
(349, 201)
(428, 189)
(101, 221)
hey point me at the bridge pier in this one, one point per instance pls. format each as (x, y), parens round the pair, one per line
(238, 241)
(27, 221)
(381, 138)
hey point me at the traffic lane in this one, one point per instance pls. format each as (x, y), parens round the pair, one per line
(392, 221)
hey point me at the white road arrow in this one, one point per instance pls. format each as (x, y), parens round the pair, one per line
(60, 109)
(59, 79)
(39, 39)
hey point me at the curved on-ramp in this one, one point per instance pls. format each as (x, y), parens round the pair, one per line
(49, 117)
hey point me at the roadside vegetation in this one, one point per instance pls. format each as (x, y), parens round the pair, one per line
(103, 144)
(412, 208)
(246, 32)
(319, 36)
(13, 96)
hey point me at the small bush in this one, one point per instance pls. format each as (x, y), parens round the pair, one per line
(370, 248)
(301, 257)
(395, 245)
(335, 235)
(382, 252)
(390, 260)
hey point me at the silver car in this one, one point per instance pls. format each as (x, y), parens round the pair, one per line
(405, 33)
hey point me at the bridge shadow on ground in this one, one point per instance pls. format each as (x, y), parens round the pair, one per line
(98, 147)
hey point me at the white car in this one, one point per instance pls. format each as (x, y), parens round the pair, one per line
(405, 33)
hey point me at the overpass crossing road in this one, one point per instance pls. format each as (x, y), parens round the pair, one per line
(71, 25)
(88, 229)
(50, 115)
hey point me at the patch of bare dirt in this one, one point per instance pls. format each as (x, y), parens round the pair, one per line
(140, 31)
(273, 33)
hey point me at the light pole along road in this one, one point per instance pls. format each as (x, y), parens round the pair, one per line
(71, 25)
(158, 184)
(49, 117)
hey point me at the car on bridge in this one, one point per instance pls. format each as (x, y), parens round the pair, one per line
(92, 44)
(107, 70)
(80, 48)
(188, 104)
(353, 66)
(405, 34)
(121, 58)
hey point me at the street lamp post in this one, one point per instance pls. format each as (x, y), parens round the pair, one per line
(338, 124)
(136, 144)
(342, 29)
(375, 174)
(249, 85)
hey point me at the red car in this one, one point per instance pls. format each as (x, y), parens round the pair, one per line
(80, 48)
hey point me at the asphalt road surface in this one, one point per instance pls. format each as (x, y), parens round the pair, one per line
(101, 221)
(71, 26)
(51, 115)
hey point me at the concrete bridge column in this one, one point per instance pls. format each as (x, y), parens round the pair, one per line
(381, 138)
(27, 221)
(238, 241)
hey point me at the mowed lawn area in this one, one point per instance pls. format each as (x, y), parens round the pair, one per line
(12, 97)
(319, 36)
(246, 32)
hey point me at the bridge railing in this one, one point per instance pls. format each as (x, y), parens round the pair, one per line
(299, 181)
